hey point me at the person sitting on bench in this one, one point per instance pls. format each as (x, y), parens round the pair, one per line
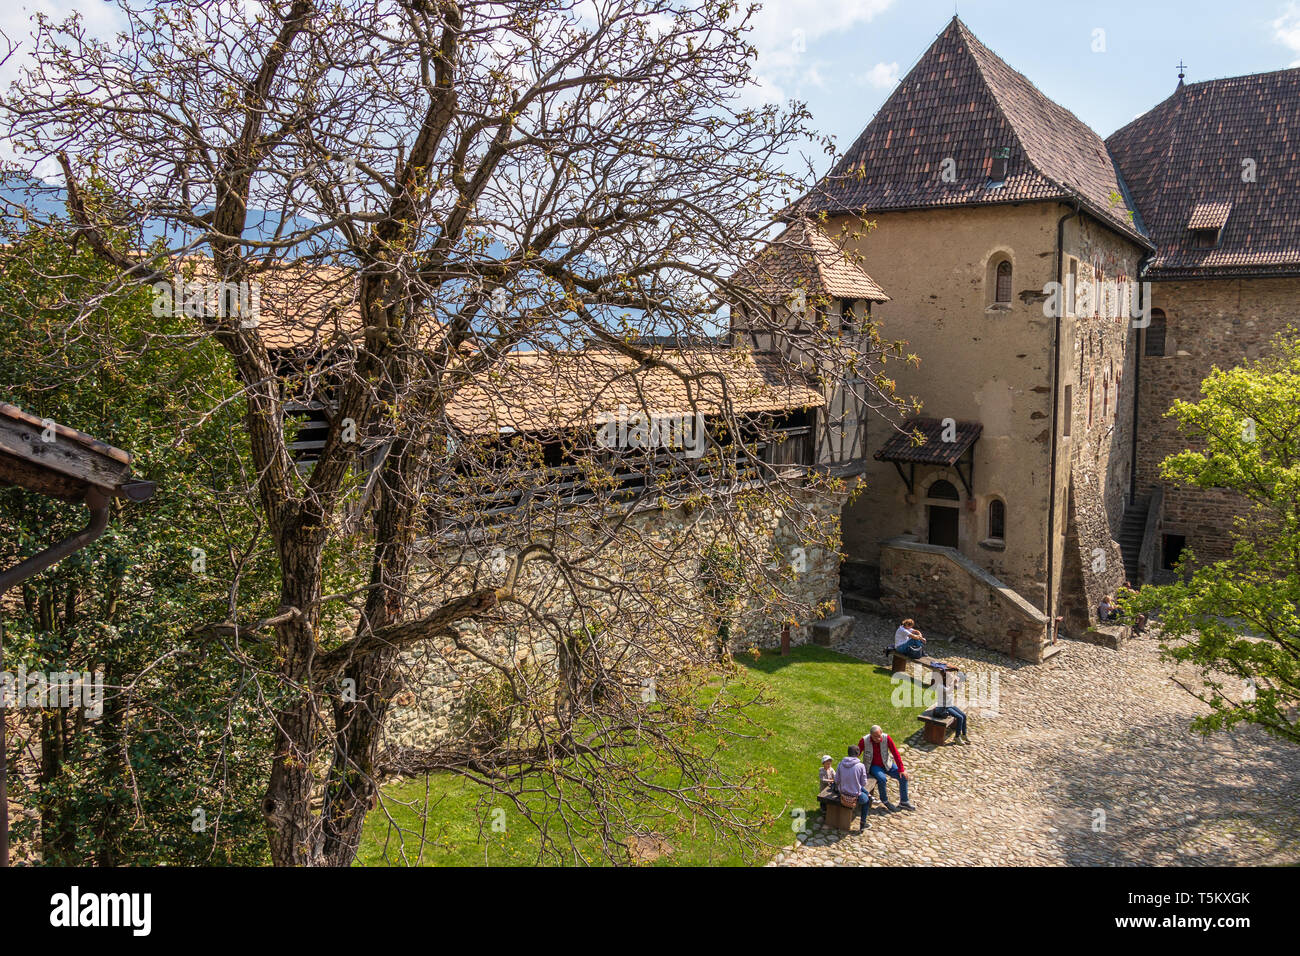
(1107, 610)
(851, 776)
(908, 641)
(945, 681)
(826, 779)
(879, 747)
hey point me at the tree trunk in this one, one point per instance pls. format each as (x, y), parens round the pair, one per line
(293, 833)
(287, 804)
(352, 787)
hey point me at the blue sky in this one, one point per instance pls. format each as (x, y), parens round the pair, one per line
(853, 49)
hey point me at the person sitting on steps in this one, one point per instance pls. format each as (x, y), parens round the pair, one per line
(1139, 624)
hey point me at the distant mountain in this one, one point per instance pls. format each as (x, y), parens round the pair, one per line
(18, 192)
(45, 201)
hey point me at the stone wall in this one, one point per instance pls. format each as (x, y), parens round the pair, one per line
(1094, 566)
(943, 589)
(438, 676)
(1098, 357)
(1224, 323)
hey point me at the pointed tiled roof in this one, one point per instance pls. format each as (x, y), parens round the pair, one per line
(960, 102)
(805, 258)
(1230, 147)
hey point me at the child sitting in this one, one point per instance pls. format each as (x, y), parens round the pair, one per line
(826, 779)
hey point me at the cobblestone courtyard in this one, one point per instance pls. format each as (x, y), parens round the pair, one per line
(1092, 729)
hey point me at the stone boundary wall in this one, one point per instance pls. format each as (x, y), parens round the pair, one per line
(438, 675)
(944, 590)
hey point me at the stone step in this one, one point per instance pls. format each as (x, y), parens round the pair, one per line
(832, 630)
(853, 601)
(1112, 636)
(1131, 534)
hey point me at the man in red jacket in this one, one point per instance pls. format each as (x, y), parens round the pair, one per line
(882, 759)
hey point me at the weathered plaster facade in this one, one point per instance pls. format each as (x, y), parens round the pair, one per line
(979, 362)
(993, 363)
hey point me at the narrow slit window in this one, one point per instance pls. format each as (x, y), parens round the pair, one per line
(1072, 288)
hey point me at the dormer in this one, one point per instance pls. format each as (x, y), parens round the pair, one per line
(1206, 223)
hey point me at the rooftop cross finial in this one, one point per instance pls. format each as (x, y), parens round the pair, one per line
(1181, 67)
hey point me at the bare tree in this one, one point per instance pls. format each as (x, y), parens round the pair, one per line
(464, 219)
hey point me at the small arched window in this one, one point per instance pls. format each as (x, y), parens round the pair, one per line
(944, 491)
(997, 520)
(1002, 289)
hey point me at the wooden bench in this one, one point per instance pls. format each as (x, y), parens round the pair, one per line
(936, 728)
(902, 660)
(837, 815)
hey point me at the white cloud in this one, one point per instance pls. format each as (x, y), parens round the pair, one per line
(785, 33)
(882, 75)
(775, 24)
(16, 24)
(99, 18)
(1286, 29)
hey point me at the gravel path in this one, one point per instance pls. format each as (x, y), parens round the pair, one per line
(1088, 761)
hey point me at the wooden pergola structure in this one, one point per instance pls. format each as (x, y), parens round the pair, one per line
(50, 459)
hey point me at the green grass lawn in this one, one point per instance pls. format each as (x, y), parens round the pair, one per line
(821, 702)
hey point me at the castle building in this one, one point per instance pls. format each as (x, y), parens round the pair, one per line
(1013, 244)
(1215, 171)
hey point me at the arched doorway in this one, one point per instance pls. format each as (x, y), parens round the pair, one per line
(942, 513)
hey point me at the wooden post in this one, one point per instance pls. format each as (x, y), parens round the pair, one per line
(785, 641)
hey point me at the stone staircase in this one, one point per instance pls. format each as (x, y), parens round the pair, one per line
(1130, 537)
(860, 602)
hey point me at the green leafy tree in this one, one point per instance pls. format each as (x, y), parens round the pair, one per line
(171, 771)
(1238, 619)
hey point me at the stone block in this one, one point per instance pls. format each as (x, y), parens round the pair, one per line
(831, 631)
